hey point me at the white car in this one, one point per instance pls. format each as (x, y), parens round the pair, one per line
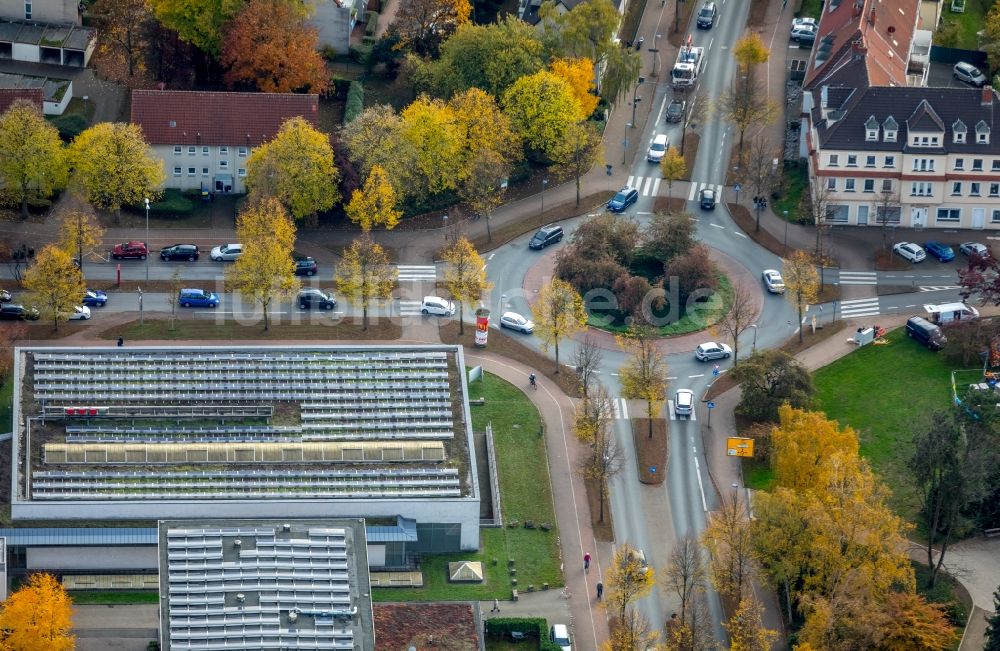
(973, 248)
(712, 350)
(80, 313)
(910, 251)
(515, 321)
(437, 305)
(684, 402)
(227, 252)
(657, 148)
(803, 31)
(796, 22)
(773, 281)
(559, 634)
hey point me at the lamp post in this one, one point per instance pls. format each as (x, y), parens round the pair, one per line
(625, 148)
(444, 225)
(754, 349)
(635, 98)
(541, 214)
(140, 301)
(786, 230)
(656, 52)
(146, 200)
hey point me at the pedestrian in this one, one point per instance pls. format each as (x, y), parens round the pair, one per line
(600, 590)
(496, 606)
(586, 562)
(121, 341)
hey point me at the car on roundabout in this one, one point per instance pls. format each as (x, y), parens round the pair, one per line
(712, 350)
(773, 281)
(684, 402)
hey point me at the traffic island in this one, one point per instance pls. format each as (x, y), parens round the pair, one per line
(650, 452)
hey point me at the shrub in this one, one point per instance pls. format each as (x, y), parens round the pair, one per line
(355, 102)
(70, 126)
(173, 202)
(537, 627)
(694, 271)
(340, 86)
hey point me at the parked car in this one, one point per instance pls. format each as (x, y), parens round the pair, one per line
(515, 321)
(312, 297)
(675, 110)
(187, 252)
(707, 15)
(5, 296)
(707, 199)
(773, 281)
(305, 266)
(79, 313)
(197, 298)
(942, 252)
(15, 312)
(684, 402)
(559, 634)
(973, 248)
(130, 250)
(928, 334)
(806, 39)
(226, 252)
(803, 31)
(805, 20)
(95, 298)
(545, 236)
(910, 251)
(623, 199)
(712, 350)
(969, 73)
(437, 305)
(657, 148)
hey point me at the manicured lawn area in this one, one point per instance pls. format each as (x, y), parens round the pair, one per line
(114, 596)
(887, 393)
(969, 22)
(525, 495)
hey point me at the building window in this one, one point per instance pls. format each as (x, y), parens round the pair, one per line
(834, 160)
(191, 150)
(995, 217)
(887, 185)
(838, 214)
(27, 11)
(871, 134)
(869, 185)
(204, 151)
(977, 164)
(934, 141)
(923, 164)
(995, 189)
(887, 214)
(177, 150)
(983, 138)
(862, 215)
(975, 189)
(921, 189)
(869, 161)
(223, 165)
(890, 161)
(956, 188)
(890, 136)
(831, 184)
(191, 171)
(852, 161)
(242, 152)
(223, 151)
(848, 185)
(948, 214)
(959, 136)
(241, 172)
(177, 171)
(204, 171)
(959, 163)
(995, 165)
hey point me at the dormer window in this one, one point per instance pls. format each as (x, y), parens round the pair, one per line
(982, 133)
(889, 129)
(871, 129)
(958, 131)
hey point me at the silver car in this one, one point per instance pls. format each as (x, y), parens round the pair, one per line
(712, 350)
(227, 252)
(684, 402)
(773, 281)
(515, 321)
(969, 73)
(973, 248)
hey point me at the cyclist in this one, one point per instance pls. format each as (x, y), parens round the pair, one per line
(532, 380)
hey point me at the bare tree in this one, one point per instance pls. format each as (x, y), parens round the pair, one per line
(886, 208)
(632, 632)
(593, 426)
(729, 541)
(758, 169)
(747, 105)
(742, 314)
(685, 573)
(816, 206)
(587, 359)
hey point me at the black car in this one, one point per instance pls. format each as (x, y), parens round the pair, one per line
(675, 110)
(706, 17)
(187, 252)
(316, 298)
(546, 235)
(305, 266)
(707, 199)
(13, 312)
(625, 198)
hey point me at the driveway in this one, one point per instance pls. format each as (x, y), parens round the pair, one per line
(115, 628)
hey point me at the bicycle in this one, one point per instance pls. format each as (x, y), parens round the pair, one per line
(533, 382)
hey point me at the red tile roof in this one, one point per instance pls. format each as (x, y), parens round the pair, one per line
(878, 32)
(9, 95)
(178, 117)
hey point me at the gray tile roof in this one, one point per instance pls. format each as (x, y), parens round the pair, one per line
(924, 118)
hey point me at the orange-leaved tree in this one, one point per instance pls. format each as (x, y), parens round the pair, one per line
(37, 617)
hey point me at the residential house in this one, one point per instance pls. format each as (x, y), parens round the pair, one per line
(911, 157)
(204, 138)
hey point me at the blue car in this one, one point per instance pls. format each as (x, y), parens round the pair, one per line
(940, 251)
(95, 298)
(625, 198)
(197, 298)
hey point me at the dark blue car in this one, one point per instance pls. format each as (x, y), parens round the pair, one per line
(94, 298)
(940, 251)
(625, 198)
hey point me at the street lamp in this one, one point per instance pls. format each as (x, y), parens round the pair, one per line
(444, 225)
(541, 214)
(754, 349)
(140, 299)
(656, 52)
(635, 99)
(628, 125)
(147, 247)
(786, 231)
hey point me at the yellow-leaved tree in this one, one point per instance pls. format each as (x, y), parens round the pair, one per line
(113, 166)
(746, 627)
(33, 161)
(37, 617)
(673, 168)
(483, 127)
(644, 375)
(265, 272)
(801, 282)
(375, 203)
(559, 313)
(465, 276)
(627, 579)
(296, 167)
(365, 275)
(580, 152)
(579, 74)
(55, 284)
(541, 107)
(806, 448)
(432, 131)
(79, 234)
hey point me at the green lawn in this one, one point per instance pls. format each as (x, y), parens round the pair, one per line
(969, 22)
(114, 596)
(886, 393)
(6, 406)
(796, 182)
(524, 494)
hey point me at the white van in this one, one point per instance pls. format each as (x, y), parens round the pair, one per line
(950, 313)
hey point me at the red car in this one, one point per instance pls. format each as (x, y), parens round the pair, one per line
(134, 250)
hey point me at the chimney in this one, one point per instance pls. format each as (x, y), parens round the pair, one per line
(859, 49)
(987, 97)
(871, 16)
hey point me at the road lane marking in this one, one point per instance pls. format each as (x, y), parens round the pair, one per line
(701, 487)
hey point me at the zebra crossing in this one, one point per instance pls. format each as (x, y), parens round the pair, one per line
(859, 307)
(646, 185)
(409, 308)
(939, 288)
(621, 408)
(416, 272)
(673, 413)
(698, 187)
(858, 278)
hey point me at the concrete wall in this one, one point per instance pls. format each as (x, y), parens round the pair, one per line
(92, 558)
(58, 108)
(26, 52)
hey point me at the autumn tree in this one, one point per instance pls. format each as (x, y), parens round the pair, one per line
(746, 627)
(886, 208)
(587, 360)
(685, 573)
(375, 203)
(605, 458)
(422, 24)
(673, 168)
(37, 617)
(542, 107)
(79, 234)
(365, 275)
(669, 235)
(805, 447)
(729, 541)
(113, 166)
(741, 317)
(482, 127)
(375, 138)
(465, 276)
(579, 73)
(584, 31)
(123, 30)
(644, 375)
(484, 185)
(32, 159)
(198, 22)
(559, 314)
(270, 46)
(750, 51)
(580, 152)
(56, 285)
(631, 632)
(990, 41)
(626, 580)
(913, 623)
(621, 74)
(747, 104)
(295, 167)
(759, 172)
(768, 379)
(801, 282)
(432, 132)
(266, 271)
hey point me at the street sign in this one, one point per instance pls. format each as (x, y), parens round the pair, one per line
(737, 446)
(652, 469)
(710, 405)
(738, 187)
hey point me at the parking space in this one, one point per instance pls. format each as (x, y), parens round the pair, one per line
(941, 76)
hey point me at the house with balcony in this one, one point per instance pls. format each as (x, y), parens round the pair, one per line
(904, 156)
(205, 138)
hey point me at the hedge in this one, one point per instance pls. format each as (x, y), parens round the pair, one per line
(537, 627)
(69, 126)
(173, 202)
(340, 86)
(355, 102)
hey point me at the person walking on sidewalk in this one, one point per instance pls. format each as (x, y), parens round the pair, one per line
(600, 590)
(586, 562)
(496, 606)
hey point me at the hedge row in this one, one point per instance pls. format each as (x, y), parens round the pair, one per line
(536, 627)
(355, 102)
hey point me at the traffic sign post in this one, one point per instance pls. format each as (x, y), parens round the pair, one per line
(737, 188)
(711, 406)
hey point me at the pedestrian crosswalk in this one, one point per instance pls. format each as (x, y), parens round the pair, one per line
(409, 308)
(673, 413)
(646, 185)
(859, 307)
(621, 408)
(697, 187)
(858, 278)
(939, 288)
(416, 272)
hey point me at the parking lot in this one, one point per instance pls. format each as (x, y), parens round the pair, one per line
(941, 76)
